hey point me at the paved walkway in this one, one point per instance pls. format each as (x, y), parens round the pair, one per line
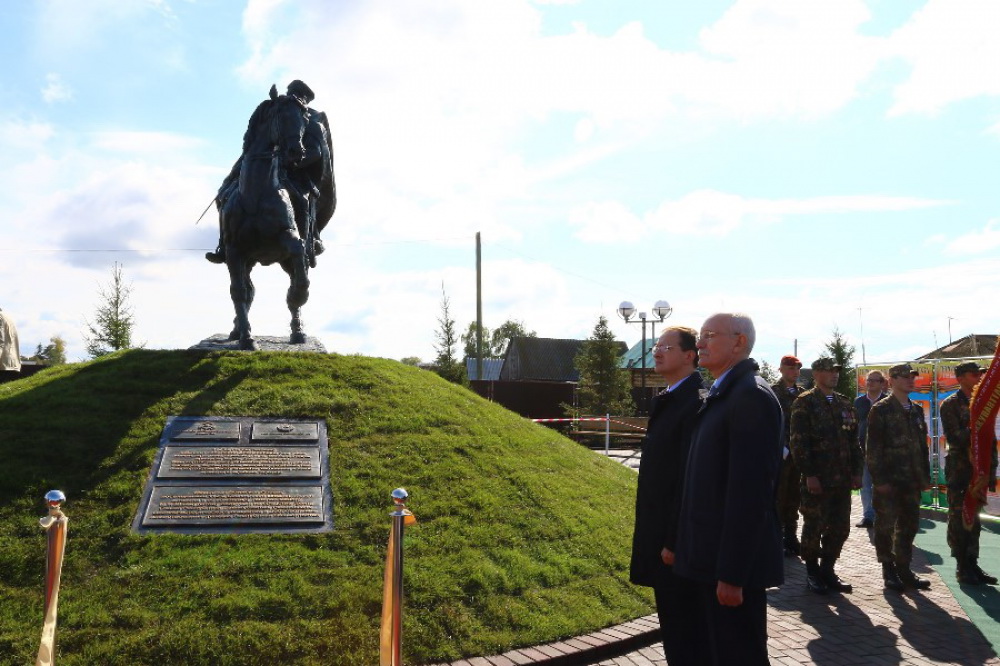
(870, 626)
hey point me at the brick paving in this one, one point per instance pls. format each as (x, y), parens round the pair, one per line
(871, 626)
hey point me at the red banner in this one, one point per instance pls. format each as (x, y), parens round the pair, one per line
(983, 416)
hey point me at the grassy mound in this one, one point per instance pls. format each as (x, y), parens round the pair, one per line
(523, 536)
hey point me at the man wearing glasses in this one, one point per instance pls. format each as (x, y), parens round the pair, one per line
(658, 496)
(900, 467)
(955, 419)
(789, 496)
(729, 539)
(875, 391)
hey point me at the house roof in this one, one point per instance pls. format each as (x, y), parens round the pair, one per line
(633, 357)
(543, 359)
(969, 346)
(491, 368)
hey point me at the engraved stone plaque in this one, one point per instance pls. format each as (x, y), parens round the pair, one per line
(221, 505)
(200, 462)
(284, 431)
(219, 431)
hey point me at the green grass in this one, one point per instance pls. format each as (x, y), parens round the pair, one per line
(523, 536)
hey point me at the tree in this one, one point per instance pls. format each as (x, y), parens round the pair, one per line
(768, 373)
(53, 353)
(410, 360)
(469, 341)
(446, 364)
(114, 321)
(843, 353)
(505, 332)
(495, 341)
(604, 386)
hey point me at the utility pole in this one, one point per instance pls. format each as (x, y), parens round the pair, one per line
(479, 308)
(949, 329)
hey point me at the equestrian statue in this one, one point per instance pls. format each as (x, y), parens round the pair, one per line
(275, 202)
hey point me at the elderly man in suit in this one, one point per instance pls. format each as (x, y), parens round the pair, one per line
(658, 497)
(729, 537)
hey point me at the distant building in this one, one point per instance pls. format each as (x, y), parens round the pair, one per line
(543, 359)
(968, 347)
(632, 361)
(535, 377)
(491, 369)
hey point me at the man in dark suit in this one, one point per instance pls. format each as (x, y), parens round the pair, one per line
(729, 538)
(658, 497)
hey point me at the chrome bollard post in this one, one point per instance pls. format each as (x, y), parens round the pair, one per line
(54, 525)
(607, 434)
(390, 637)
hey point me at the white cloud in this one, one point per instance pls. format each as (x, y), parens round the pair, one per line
(448, 96)
(785, 58)
(952, 48)
(714, 213)
(599, 222)
(56, 90)
(19, 136)
(976, 242)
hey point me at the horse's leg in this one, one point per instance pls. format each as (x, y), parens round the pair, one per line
(241, 291)
(298, 288)
(248, 294)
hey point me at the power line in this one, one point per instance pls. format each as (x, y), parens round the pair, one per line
(207, 249)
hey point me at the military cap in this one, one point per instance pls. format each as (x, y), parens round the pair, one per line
(968, 366)
(825, 363)
(902, 370)
(299, 89)
(790, 360)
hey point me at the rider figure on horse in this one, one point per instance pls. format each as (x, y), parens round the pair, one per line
(309, 181)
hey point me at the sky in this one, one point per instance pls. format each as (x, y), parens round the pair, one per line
(817, 165)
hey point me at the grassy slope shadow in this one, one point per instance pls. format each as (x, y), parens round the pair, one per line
(523, 536)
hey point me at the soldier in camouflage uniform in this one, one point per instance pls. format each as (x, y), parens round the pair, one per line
(824, 439)
(789, 478)
(900, 467)
(955, 419)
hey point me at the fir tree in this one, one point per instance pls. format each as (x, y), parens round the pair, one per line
(604, 385)
(445, 363)
(843, 354)
(112, 327)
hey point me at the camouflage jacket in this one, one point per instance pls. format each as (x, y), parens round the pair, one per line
(897, 444)
(955, 420)
(786, 398)
(824, 438)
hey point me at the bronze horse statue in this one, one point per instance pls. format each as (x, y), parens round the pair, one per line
(257, 216)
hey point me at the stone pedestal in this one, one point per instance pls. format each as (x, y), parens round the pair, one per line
(221, 342)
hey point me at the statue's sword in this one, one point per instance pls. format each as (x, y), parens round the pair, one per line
(204, 211)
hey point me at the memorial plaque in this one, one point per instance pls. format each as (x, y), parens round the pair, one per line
(287, 431)
(238, 475)
(199, 462)
(219, 431)
(221, 505)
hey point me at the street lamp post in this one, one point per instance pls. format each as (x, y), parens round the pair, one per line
(661, 310)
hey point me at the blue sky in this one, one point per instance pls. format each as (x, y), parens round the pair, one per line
(796, 160)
